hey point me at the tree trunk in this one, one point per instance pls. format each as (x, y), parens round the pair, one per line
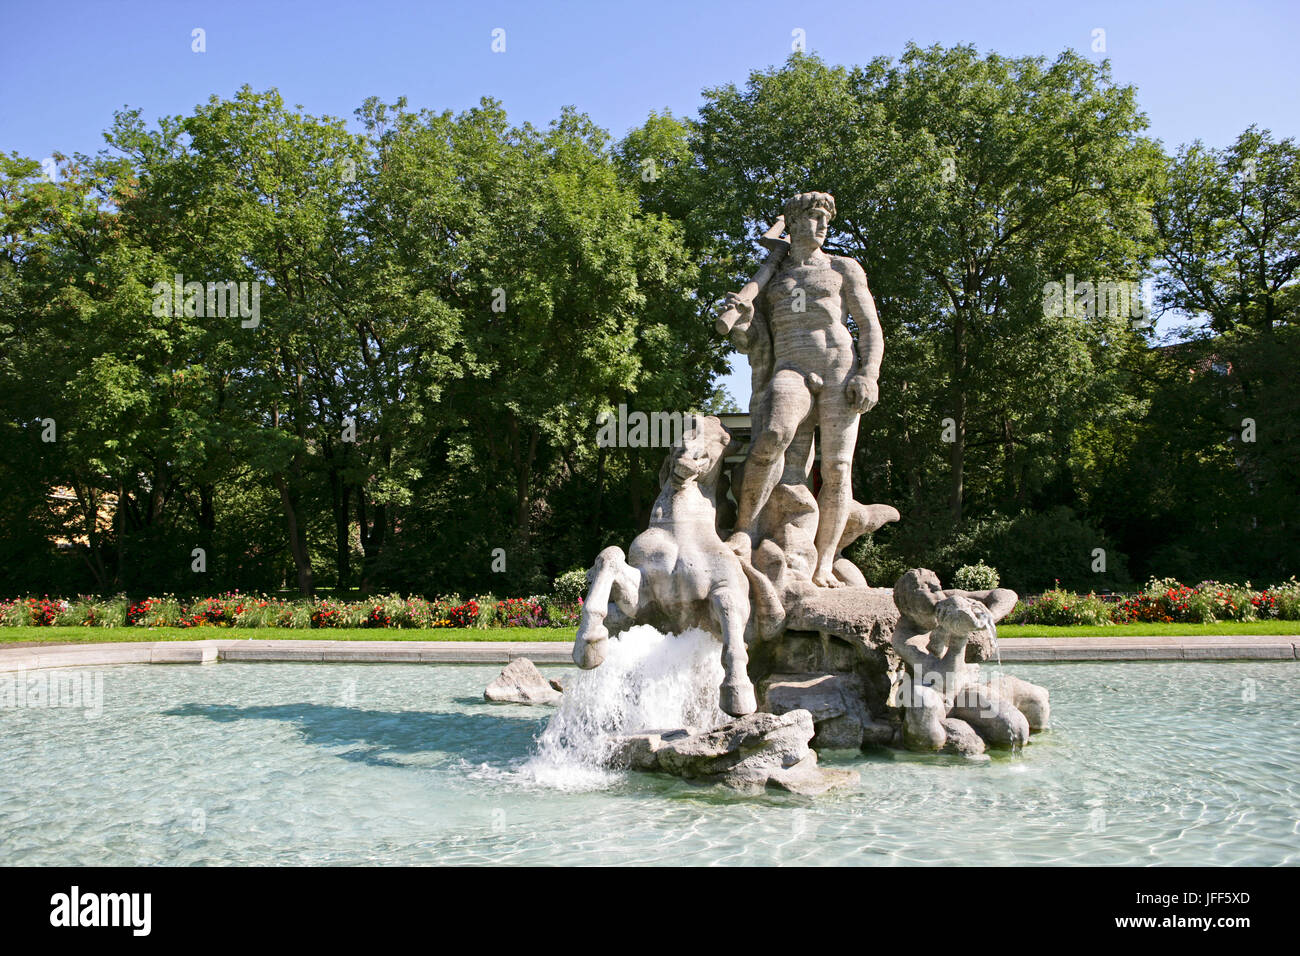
(600, 494)
(957, 454)
(372, 523)
(523, 461)
(297, 540)
(342, 525)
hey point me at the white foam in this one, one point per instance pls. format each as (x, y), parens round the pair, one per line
(649, 681)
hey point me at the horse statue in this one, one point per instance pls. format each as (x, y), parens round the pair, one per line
(678, 573)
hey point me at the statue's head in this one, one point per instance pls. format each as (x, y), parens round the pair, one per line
(807, 216)
(704, 446)
(962, 616)
(917, 594)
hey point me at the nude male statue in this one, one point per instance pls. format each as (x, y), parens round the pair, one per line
(816, 371)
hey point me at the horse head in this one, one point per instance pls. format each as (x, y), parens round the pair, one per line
(699, 458)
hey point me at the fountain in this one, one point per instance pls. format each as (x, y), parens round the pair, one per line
(812, 656)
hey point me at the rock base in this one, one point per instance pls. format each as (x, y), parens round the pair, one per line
(837, 703)
(750, 753)
(835, 660)
(522, 683)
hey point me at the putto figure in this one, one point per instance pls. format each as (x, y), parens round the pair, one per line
(791, 322)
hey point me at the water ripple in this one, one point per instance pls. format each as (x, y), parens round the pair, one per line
(1148, 763)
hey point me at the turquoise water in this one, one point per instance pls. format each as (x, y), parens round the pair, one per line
(405, 764)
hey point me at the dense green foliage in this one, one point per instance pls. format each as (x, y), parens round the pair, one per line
(447, 302)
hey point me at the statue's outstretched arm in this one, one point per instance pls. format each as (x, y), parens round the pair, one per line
(999, 601)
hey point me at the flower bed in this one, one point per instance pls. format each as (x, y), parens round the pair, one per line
(233, 609)
(1163, 601)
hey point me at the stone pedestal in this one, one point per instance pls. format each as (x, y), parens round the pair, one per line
(835, 660)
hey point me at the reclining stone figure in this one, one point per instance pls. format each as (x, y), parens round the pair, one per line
(942, 696)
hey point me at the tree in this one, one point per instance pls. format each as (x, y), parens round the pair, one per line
(965, 184)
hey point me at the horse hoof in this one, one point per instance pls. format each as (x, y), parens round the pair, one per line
(588, 654)
(737, 700)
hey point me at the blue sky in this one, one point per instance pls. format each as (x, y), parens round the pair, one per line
(1204, 70)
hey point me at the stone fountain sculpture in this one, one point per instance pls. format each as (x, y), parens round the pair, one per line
(801, 628)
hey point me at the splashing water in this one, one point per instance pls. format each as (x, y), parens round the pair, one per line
(649, 681)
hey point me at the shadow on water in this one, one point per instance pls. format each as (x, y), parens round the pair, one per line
(381, 735)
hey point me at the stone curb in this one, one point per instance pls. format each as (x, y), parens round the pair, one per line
(339, 652)
(1020, 649)
(1244, 647)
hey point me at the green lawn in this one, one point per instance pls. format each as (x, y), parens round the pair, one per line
(105, 635)
(108, 635)
(1150, 630)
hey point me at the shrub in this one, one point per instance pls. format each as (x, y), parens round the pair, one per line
(1285, 597)
(1265, 605)
(1037, 548)
(109, 613)
(1224, 602)
(297, 616)
(212, 611)
(412, 612)
(14, 613)
(1165, 601)
(976, 577)
(154, 612)
(571, 586)
(520, 612)
(256, 612)
(1169, 601)
(325, 614)
(562, 615)
(879, 563)
(74, 613)
(465, 615)
(40, 612)
(487, 610)
(1057, 606)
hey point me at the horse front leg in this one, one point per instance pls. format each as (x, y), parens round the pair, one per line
(730, 607)
(614, 585)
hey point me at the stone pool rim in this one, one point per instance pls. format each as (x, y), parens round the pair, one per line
(211, 651)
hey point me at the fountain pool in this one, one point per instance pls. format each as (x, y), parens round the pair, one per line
(1146, 763)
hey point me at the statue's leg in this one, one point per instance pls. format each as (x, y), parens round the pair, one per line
(839, 434)
(790, 404)
(625, 598)
(609, 576)
(1030, 699)
(923, 712)
(730, 606)
(994, 718)
(799, 456)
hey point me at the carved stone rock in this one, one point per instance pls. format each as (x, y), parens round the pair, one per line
(749, 753)
(521, 683)
(837, 702)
